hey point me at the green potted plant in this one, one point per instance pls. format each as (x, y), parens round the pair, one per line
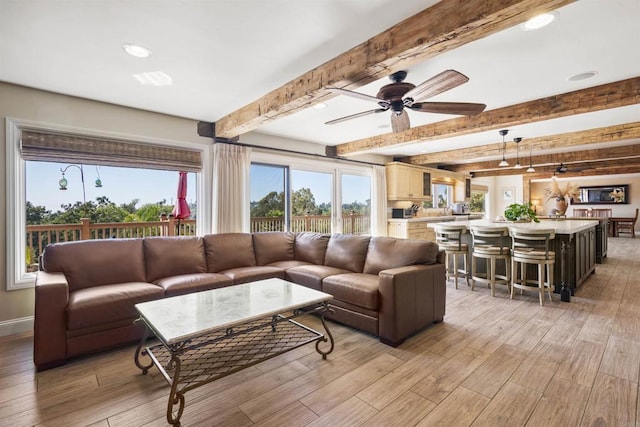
(521, 212)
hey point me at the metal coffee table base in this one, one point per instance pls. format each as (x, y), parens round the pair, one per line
(198, 361)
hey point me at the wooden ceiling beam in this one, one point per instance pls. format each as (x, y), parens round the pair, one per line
(569, 139)
(445, 26)
(581, 157)
(597, 98)
(614, 167)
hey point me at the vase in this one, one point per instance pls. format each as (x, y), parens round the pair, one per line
(561, 206)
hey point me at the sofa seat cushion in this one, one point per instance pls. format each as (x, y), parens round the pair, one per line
(347, 251)
(173, 256)
(386, 252)
(187, 283)
(287, 264)
(311, 247)
(311, 275)
(250, 274)
(89, 263)
(227, 251)
(109, 303)
(355, 288)
(273, 246)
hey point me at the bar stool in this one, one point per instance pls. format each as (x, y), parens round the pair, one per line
(532, 247)
(449, 239)
(491, 244)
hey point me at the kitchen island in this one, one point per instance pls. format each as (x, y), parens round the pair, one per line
(578, 236)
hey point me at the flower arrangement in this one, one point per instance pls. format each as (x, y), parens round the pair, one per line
(561, 192)
(617, 195)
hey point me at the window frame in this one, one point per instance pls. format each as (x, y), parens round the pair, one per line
(16, 275)
(332, 166)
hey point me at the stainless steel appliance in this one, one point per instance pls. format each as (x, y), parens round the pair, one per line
(460, 208)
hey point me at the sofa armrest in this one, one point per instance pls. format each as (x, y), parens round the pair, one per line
(412, 297)
(49, 334)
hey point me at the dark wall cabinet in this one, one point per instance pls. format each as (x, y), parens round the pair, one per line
(426, 183)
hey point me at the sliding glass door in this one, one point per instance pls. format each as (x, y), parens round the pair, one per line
(355, 192)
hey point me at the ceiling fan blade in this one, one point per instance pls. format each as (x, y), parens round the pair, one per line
(400, 122)
(355, 116)
(353, 94)
(461, 108)
(442, 82)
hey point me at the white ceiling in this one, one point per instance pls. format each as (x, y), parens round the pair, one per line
(223, 54)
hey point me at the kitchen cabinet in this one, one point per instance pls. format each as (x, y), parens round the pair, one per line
(417, 230)
(407, 182)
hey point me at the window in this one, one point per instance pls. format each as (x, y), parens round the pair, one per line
(268, 202)
(356, 204)
(442, 195)
(116, 201)
(478, 201)
(32, 147)
(311, 195)
(314, 189)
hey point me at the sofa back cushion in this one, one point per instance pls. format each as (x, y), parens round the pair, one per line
(273, 246)
(89, 263)
(388, 252)
(310, 247)
(228, 250)
(172, 256)
(347, 251)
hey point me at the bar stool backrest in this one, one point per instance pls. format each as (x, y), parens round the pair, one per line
(523, 239)
(606, 212)
(580, 212)
(491, 236)
(451, 235)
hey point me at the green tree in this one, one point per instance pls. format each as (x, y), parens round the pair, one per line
(303, 202)
(151, 212)
(477, 202)
(271, 205)
(37, 214)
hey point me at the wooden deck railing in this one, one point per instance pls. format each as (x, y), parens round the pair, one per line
(39, 236)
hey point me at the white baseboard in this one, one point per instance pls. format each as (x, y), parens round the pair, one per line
(16, 326)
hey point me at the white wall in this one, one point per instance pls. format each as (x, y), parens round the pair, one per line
(538, 187)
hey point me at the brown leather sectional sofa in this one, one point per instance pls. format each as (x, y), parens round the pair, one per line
(86, 291)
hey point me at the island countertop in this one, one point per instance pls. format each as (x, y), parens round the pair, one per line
(560, 227)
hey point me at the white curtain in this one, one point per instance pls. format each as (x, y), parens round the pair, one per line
(231, 167)
(379, 210)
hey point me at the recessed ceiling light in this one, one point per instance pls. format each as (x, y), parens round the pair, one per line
(539, 21)
(135, 50)
(383, 126)
(582, 76)
(320, 106)
(154, 78)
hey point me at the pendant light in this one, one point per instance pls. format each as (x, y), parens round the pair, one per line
(530, 168)
(504, 162)
(517, 141)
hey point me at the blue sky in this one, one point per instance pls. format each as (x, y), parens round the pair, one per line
(120, 185)
(267, 178)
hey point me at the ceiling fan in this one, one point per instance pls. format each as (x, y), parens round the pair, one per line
(400, 95)
(562, 168)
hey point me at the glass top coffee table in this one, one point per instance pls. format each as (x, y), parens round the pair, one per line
(208, 335)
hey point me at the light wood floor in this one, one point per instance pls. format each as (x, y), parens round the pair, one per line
(492, 362)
